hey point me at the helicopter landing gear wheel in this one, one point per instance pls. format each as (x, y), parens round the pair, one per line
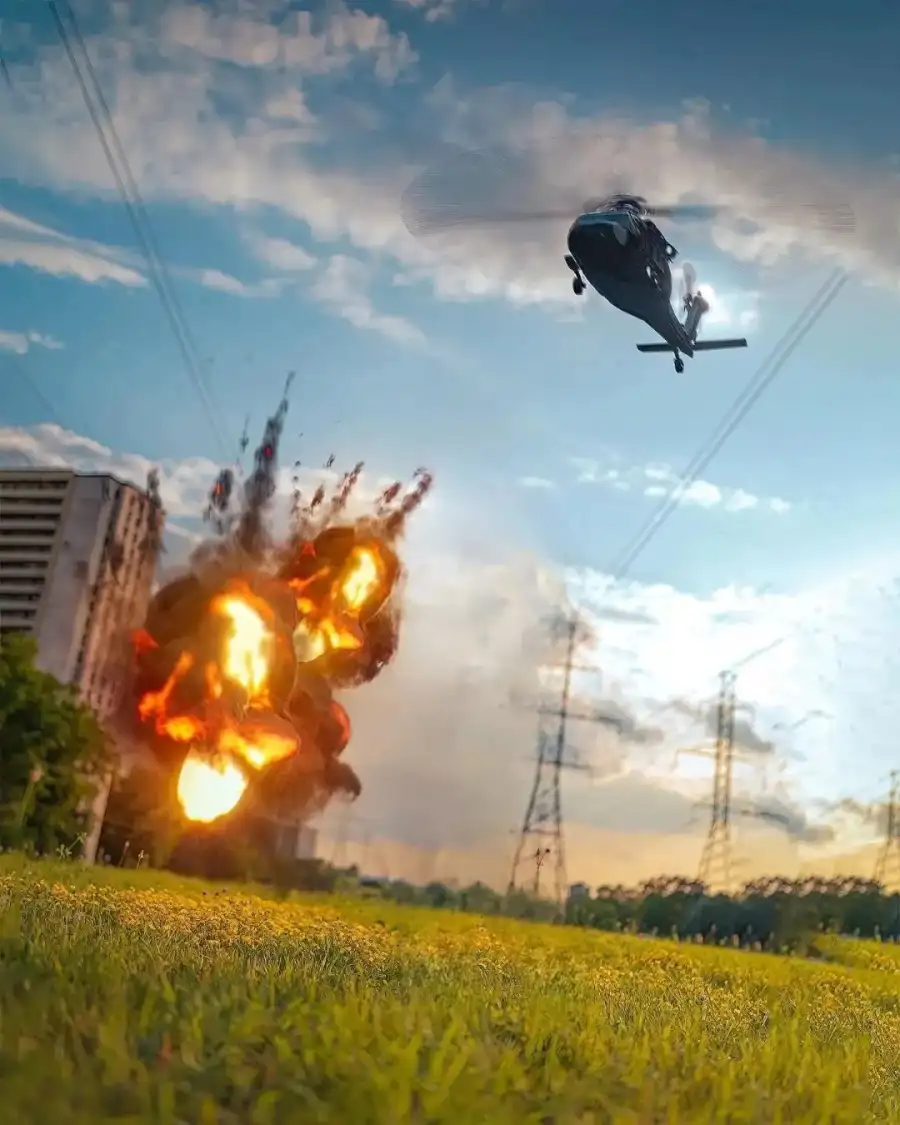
(577, 286)
(679, 365)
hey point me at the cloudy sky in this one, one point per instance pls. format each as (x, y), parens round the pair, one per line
(271, 146)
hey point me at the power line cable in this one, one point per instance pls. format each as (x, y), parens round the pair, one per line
(45, 402)
(137, 213)
(761, 380)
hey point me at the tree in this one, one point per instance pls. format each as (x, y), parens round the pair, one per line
(54, 755)
(142, 816)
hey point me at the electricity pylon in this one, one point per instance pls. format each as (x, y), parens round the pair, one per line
(887, 866)
(541, 837)
(716, 858)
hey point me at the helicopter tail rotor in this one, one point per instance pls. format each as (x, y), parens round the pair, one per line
(688, 284)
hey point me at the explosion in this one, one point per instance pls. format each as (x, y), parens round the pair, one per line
(238, 660)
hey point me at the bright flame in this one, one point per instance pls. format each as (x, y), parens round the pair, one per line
(156, 702)
(335, 626)
(247, 652)
(208, 790)
(362, 578)
(260, 747)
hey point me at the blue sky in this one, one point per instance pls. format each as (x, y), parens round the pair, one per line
(272, 149)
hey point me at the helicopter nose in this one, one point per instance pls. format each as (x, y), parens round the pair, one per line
(579, 239)
(590, 229)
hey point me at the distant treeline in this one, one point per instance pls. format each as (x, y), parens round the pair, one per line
(143, 826)
(769, 914)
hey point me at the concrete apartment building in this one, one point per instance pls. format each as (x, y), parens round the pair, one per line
(76, 572)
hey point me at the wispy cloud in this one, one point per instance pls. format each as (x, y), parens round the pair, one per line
(343, 287)
(434, 11)
(658, 479)
(280, 253)
(320, 44)
(536, 483)
(51, 251)
(21, 342)
(227, 283)
(47, 250)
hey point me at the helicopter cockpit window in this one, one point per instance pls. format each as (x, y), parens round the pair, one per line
(621, 203)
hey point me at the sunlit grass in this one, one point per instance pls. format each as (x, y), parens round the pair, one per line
(145, 998)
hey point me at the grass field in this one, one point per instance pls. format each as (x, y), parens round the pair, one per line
(136, 997)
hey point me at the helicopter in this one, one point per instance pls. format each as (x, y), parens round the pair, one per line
(617, 249)
(613, 244)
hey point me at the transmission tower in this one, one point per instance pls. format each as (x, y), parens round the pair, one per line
(887, 866)
(541, 837)
(716, 858)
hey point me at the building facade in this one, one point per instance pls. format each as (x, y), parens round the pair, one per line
(77, 561)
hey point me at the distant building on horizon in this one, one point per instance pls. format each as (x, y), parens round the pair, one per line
(77, 561)
(295, 839)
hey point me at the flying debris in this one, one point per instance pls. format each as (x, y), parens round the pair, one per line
(238, 661)
(613, 243)
(219, 501)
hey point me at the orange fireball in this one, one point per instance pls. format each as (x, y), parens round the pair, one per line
(214, 774)
(237, 675)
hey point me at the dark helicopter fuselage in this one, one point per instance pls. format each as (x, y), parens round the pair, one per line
(611, 250)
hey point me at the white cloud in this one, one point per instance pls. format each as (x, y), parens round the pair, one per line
(342, 287)
(226, 283)
(66, 258)
(312, 44)
(22, 342)
(434, 11)
(536, 483)
(281, 254)
(290, 105)
(173, 90)
(657, 480)
(42, 248)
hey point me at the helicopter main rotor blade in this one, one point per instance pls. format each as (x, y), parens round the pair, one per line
(499, 185)
(478, 188)
(838, 218)
(422, 221)
(702, 212)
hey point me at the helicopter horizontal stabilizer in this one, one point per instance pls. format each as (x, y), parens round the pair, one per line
(719, 345)
(700, 346)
